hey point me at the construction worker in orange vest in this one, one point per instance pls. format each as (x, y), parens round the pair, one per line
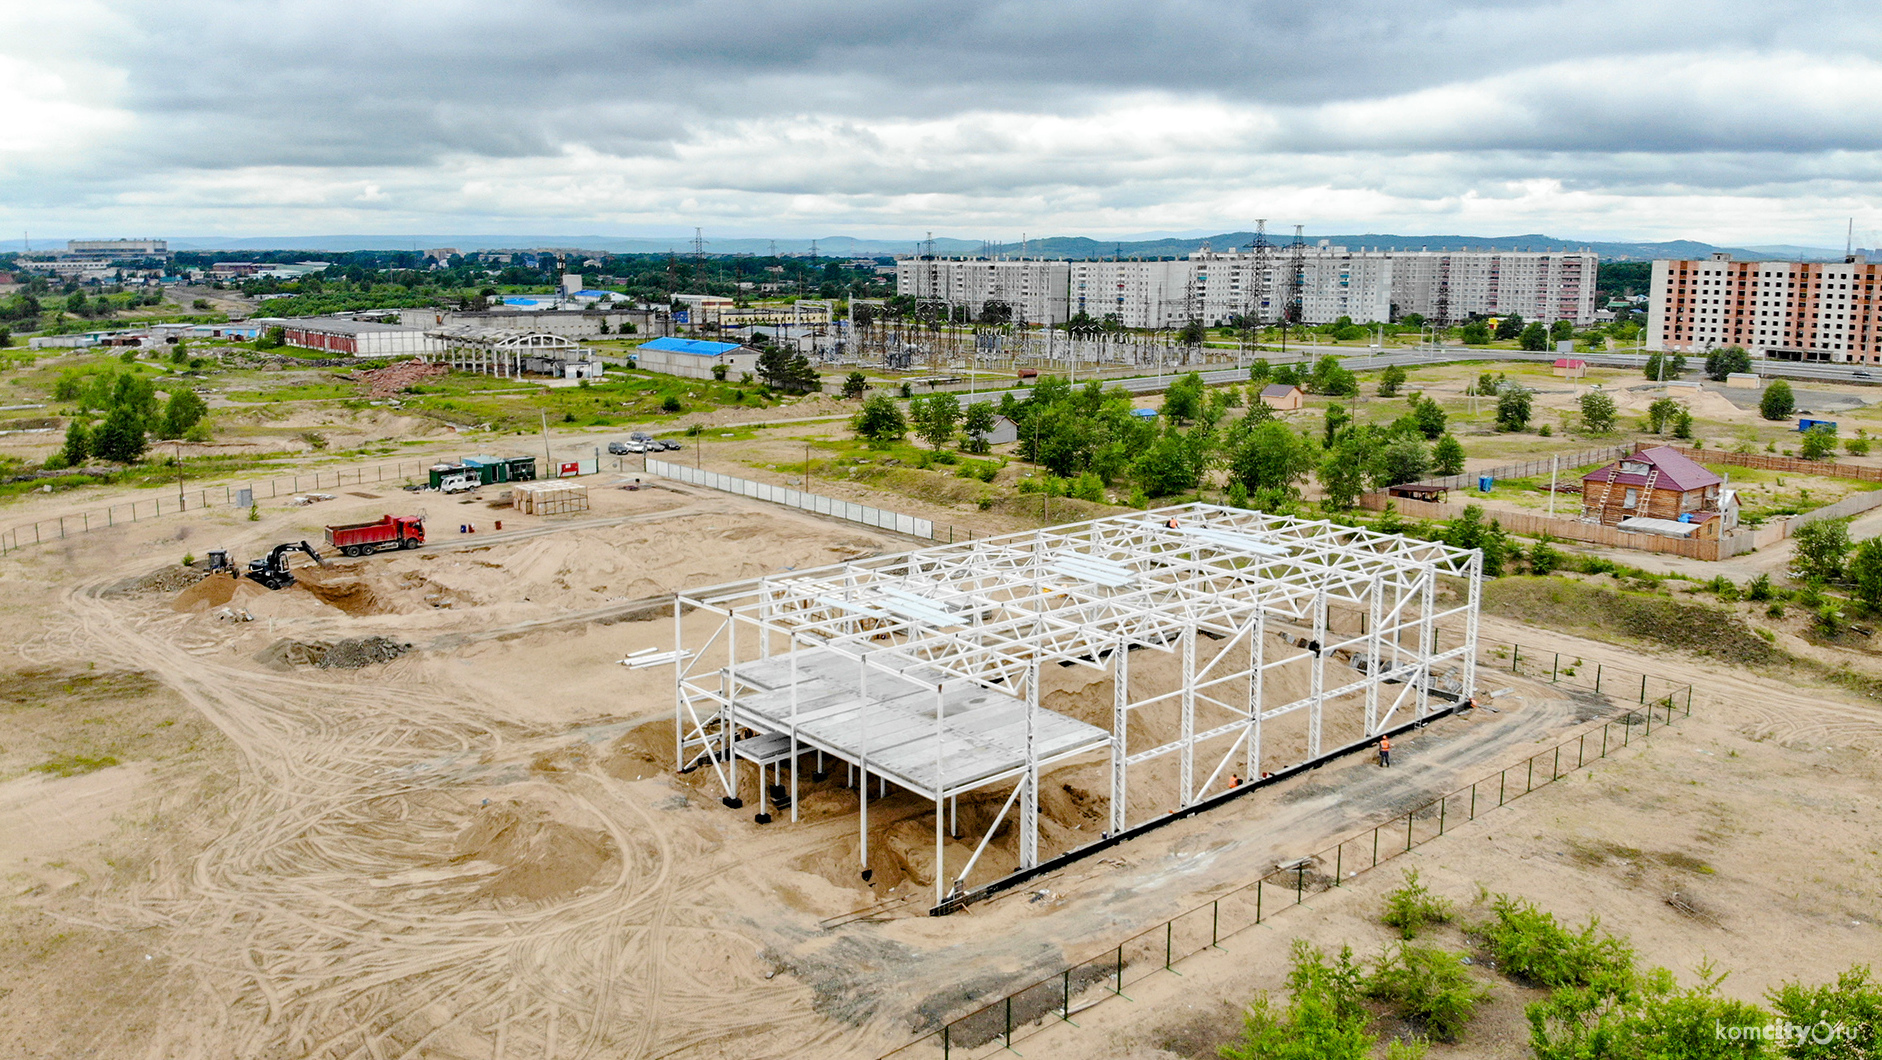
(1385, 752)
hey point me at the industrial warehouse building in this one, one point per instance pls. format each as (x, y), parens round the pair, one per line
(359, 338)
(1784, 310)
(695, 358)
(1367, 286)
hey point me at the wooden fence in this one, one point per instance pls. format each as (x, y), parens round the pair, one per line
(1567, 529)
(1767, 462)
(1563, 462)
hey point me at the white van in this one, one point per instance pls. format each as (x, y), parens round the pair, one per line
(458, 482)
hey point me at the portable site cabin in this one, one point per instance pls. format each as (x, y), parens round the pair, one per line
(1282, 397)
(492, 469)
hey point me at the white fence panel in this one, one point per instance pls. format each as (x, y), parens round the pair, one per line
(879, 518)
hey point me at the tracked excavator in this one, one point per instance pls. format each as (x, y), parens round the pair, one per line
(272, 571)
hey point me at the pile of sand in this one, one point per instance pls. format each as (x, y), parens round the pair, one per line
(162, 580)
(536, 857)
(219, 590)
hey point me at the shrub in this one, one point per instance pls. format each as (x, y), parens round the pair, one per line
(671, 403)
(1778, 402)
(1529, 944)
(1322, 1020)
(1819, 442)
(1759, 588)
(1428, 985)
(1411, 907)
(1546, 558)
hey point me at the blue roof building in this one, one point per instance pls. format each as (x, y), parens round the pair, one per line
(695, 358)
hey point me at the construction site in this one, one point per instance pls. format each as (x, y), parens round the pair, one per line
(652, 769)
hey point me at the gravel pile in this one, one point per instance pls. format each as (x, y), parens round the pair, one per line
(360, 652)
(164, 580)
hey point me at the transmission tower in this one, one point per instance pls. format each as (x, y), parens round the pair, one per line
(1257, 287)
(1296, 275)
(699, 259)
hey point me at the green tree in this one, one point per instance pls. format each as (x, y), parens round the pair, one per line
(1673, 364)
(271, 339)
(1660, 413)
(1682, 423)
(1475, 333)
(1272, 459)
(1336, 420)
(120, 437)
(1561, 329)
(1509, 327)
(1448, 456)
(77, 443)
(1469, 531)
(1864, 571)
(1535, 337)
(854, 384)
(1182, 402)
(1721, 363)
(1346, 468)
(1404, 459)
(1166, 468)
(1512, 407)
(880, 420)
(183, 411)
(936, 418)
(1777, 403)
(1391, 380)
(1819, 442)
(1820, 548)
(1429, 415)
(1260, 372)
(978, 423)
(1597, 412)
(1331, 377)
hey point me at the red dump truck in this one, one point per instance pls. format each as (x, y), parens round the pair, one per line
(391, 531)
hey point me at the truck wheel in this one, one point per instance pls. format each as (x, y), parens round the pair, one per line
(351, 550)
(410, 542)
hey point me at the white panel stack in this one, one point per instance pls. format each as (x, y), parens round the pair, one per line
(549, 498)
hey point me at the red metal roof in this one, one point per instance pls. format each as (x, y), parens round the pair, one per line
(1567, 363)
(1676, 472)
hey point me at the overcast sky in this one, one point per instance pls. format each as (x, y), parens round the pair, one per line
(1731, 121)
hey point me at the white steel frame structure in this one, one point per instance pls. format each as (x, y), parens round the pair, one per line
(500, 352)
(923, 670)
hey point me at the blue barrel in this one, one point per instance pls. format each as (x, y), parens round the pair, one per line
(1484, 482)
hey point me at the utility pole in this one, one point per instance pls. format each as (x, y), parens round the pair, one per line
(548, 462)
(179, 475)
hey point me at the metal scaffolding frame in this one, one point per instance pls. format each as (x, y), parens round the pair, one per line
(923, 669)
(504, 353)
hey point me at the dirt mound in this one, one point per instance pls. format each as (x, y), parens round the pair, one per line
(387, 381)
(163, 580)
(360, 652)
(213, 591)
(538, 858)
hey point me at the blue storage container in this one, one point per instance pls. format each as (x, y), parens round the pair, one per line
(1484, 482)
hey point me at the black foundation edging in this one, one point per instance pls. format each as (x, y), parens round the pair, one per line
(958, 902)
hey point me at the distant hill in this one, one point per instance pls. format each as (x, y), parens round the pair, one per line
(1052, 246)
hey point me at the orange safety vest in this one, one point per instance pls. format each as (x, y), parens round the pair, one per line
(1385, 743)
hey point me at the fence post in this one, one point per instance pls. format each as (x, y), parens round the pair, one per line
(1375, 846)
(1502, 783)
(1554, 666)
(1408, 829)
(1169, 933)
(1442, 802)
(1643, 688)
(1649, 729)
(1473, 800)
(1529, 782)
(945, 1050)
(1375, 836)
(1009, 1000)
(1120, 957)
(1516, 655)
(1689, 701)
(1597, 678)
(1215, 922)
(1339, 864)
(1065, 1009)
(1581, 748)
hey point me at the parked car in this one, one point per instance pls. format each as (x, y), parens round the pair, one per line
(618, 448)
(668, 444)
(639, 436)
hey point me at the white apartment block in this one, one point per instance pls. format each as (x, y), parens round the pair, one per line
(1454, 286)
(1784, 310)
(1034, 289)
(117, 248)
(1215, 287)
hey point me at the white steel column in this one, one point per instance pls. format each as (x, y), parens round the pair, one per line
(730, 687)
(1428, 639)
(1375, 663)
(862, 776)
(1317, 679)
(940, 851)
(1120, 742)
(1029, 782)
(1257, 654)
(1187, 782)
(1470, 626)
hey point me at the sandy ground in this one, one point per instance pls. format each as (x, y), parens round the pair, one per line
(481, 849)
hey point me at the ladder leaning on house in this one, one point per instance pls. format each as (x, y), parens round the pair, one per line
(1646, 492)
(1607, 487)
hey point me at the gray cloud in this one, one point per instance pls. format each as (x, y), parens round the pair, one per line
(973, 113)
